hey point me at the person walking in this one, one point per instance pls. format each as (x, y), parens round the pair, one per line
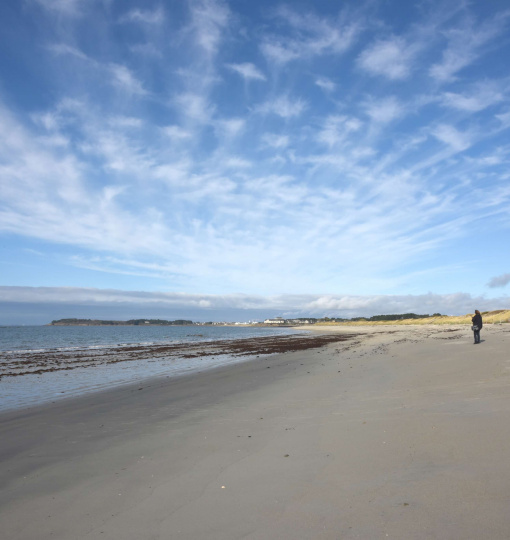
(477, 326)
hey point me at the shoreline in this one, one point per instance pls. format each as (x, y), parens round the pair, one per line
(28, 378)
(394, 432)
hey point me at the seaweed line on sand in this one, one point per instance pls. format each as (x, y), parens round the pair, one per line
(36, 363)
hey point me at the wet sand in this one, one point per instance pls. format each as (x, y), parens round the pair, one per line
(397, 432)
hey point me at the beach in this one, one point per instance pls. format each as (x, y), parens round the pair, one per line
(394, 432)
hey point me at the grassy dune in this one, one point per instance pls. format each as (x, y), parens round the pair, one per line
(489, 317)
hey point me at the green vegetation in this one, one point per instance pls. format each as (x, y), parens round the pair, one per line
(374, 318)
(395, 317)
(131, 322)
(178, 322)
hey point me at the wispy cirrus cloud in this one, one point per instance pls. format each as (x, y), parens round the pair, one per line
(283, 106)
(237, 163)
(146, 49)
(326, 84)
(504, 119)
(337, 128)
(278, 51)
(391, 58)
(123, 122)
(466, 43)
(124, 79)
(480, 97)
(259, 207)
(209, 20)
(65, 49)
(121, 76)
(176, 132)
(273, 140)
(145, 16)
(247, 71)
(385, 110)
(309, 173)
(195, 107)
(311, 36)
(454, 138)
(71, 8)
(230, 127)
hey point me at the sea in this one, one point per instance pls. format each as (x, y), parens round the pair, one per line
(35, 389)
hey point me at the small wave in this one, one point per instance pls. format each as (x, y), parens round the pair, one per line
(23, 351)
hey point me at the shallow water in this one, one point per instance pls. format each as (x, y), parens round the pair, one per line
(41, 338)
(33, 389)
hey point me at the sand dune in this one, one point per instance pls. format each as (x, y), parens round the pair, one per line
(489, 317)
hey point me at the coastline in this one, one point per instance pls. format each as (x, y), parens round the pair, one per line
(32, 377)
(398, 432)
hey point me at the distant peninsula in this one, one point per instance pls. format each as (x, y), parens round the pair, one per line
(132, 322)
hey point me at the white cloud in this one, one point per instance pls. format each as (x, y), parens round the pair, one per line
(482, 96)
(383, 111)
(63, 7)
(326, 84)
(315, 36)
(504, 118)
(337, 128)
(466, 44)
(237, 163)
(499, 281)
(210, 19)
(156, 16)
(291, 305)
(125, 266)
(390, 58)
(248, 71)
(197, 179)
(449, 135)
(273, 140)
(230, 127)
(175, 173)
(49, 120)
(126, 122)
(124, 79)
(279, 52)
(196, 107)
(176, 132)
(146, 49)
(63, 49)
(260, 233)
(447, 304)
(283, 106)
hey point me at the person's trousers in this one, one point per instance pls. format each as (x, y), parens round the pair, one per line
(477, 336)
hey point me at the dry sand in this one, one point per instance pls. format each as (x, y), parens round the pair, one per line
(401, 432)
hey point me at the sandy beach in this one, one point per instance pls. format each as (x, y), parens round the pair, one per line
(396, 432)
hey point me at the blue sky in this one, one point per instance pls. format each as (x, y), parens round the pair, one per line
(201, 156)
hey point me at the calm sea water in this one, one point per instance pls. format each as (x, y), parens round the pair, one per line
(40, 338)
(30, 390)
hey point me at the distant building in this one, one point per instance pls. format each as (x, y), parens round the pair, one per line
(278, 320)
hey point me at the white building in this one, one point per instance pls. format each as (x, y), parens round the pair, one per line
(278, 320)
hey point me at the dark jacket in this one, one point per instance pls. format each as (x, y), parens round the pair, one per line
(477, 321)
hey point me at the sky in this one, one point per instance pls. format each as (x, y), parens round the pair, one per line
(241, 159)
